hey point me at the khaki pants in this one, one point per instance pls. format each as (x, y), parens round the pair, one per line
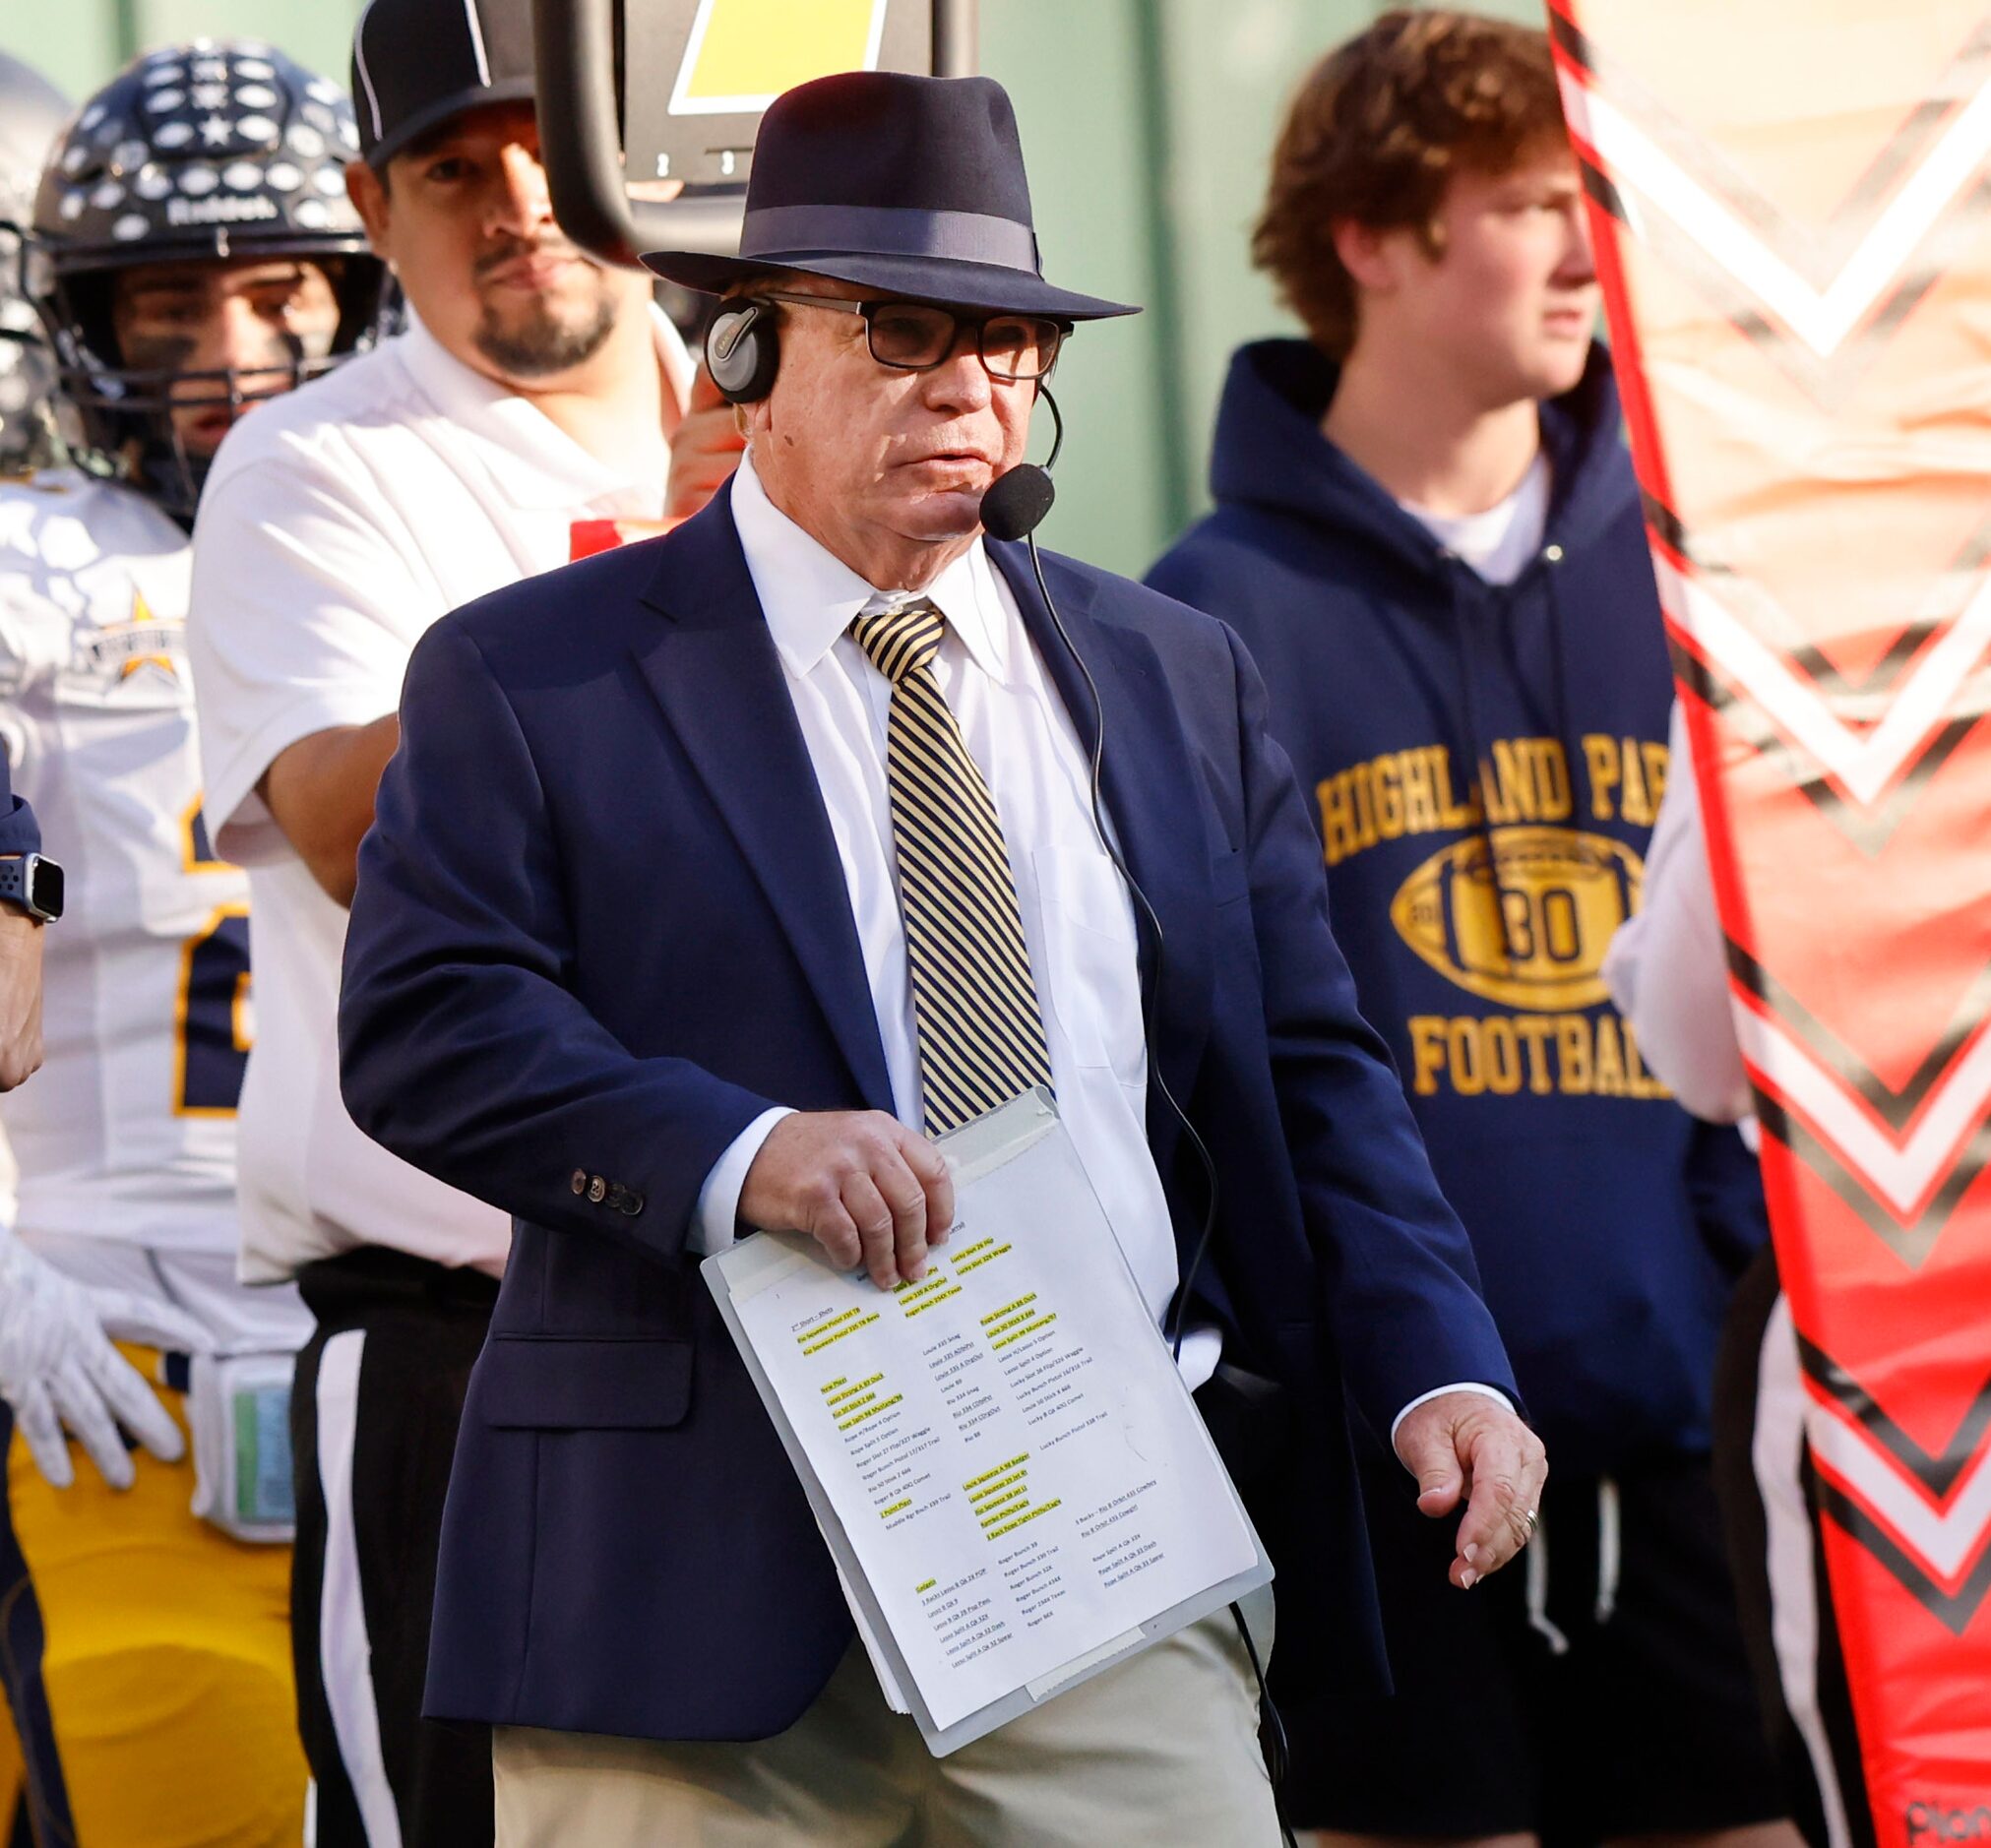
(1161, 1750)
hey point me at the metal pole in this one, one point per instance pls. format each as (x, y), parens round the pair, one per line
(1164, 256)
(956, 34)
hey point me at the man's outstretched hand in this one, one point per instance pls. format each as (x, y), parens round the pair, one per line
(863, 1186)
(1464, 1445)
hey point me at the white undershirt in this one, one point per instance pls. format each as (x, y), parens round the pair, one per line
(1500, 542)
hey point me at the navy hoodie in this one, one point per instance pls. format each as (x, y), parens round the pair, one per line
(1485, 764)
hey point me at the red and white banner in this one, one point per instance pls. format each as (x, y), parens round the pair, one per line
(1790, 205)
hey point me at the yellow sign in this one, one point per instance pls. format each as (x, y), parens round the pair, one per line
(743, 53)
(1529, 929)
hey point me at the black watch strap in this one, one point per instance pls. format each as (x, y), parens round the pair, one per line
(31, 883)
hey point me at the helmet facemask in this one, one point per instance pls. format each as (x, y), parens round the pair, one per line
(215, 152)
(131, 398)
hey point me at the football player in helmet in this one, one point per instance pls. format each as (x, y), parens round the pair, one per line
(192, 253)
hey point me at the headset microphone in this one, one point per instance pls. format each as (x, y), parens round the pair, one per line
(1019, 499)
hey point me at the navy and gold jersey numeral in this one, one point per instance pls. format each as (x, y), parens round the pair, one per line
(197, 848)
(212, 1021)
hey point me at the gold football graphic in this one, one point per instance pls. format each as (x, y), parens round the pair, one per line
(1561, 893)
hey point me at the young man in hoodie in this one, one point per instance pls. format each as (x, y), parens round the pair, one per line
(1428, 533)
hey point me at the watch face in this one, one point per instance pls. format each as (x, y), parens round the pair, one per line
(44, 888)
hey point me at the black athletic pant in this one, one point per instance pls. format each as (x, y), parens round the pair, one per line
(373, 1420)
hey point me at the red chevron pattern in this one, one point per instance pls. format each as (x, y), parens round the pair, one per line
(1789, 200)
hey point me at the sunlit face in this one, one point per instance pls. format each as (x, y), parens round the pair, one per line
(464, 219)
(865, 457)
(256, 317)
(1509, 303)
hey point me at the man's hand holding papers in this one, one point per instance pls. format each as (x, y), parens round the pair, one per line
(863, 1186)
(1004, 1463)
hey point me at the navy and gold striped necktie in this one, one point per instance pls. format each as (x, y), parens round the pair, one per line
(982, 1036)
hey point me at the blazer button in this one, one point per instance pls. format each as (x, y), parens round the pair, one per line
(598, 1190)
(631, 1205)
(578, 1180)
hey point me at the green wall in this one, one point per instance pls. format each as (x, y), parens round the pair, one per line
(78, 44)
(1148, 124)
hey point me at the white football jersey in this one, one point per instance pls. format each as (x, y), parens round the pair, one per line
(128, 1131)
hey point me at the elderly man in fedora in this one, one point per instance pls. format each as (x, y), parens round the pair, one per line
(713, 876)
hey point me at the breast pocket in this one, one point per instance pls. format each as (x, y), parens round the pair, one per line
(1091, 999)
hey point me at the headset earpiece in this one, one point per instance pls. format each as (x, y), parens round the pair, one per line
(741, 352)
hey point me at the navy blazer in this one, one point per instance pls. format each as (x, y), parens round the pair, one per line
(601, 926)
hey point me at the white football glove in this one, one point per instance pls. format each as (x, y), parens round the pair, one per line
(58, 1367)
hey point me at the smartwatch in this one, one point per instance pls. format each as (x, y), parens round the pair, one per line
(31, 883)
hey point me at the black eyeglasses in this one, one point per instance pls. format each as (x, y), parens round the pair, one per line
(917, 336)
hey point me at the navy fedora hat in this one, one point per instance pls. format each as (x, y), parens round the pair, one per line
(913, 185)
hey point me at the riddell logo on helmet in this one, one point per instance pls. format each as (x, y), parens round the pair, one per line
(219, 211)
(1933, 1822)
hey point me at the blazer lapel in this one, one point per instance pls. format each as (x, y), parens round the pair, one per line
(1151, 797)
(713, 670)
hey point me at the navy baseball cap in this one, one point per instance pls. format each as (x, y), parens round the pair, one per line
(418, 61)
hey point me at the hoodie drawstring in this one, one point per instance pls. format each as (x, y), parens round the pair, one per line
(1610, 1569)
(1461, 660)
(1610, 1564)
(1534, 1556)
(1557, 660)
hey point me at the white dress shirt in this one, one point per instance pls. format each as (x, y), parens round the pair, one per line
(1076, 915)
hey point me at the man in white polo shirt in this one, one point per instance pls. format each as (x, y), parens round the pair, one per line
(533, 396)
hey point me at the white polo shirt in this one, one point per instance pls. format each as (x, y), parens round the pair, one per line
(338, 525)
